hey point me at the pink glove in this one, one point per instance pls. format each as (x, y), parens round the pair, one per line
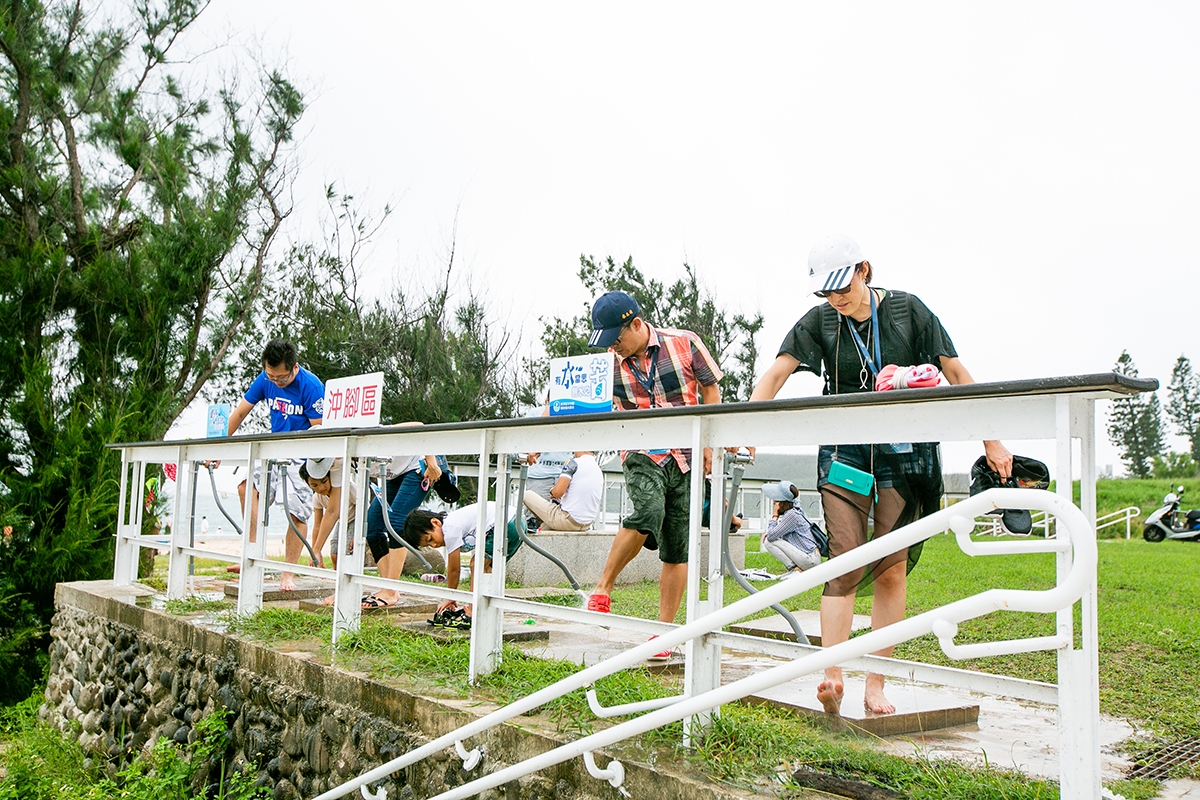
(921, 376)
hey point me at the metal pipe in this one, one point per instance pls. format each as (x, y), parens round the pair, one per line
(386, 508)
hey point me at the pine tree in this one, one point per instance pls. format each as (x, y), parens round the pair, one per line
(1183, 403)
(1135, 425)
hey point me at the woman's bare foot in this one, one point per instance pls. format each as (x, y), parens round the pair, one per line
(287, 582)
(829, 692)
(386, 596)
(873, 698)
(328, 601)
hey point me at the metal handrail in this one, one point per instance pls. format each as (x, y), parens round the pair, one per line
(1079, 542)
(1125, 515)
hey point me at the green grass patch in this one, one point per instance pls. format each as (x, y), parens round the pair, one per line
(196, 604)
(272, 624)
(39, 763)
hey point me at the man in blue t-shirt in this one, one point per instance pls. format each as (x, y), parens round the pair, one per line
(296, 399)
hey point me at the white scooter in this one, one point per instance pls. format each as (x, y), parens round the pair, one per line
(1169, 522)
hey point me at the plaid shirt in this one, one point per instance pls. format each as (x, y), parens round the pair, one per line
(683, 365)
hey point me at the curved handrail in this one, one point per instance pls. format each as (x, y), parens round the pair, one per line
(959, 518)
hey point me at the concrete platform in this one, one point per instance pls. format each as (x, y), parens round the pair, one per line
(305, 590)
(776, 627)
(584, 553)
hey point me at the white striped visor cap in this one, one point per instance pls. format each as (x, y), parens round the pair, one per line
(831, 263)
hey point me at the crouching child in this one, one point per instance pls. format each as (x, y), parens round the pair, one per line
(457, 532)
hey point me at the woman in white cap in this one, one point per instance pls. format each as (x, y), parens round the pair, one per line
(848, 340)
(789, 533)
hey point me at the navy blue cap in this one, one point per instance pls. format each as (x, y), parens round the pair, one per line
(610, 313)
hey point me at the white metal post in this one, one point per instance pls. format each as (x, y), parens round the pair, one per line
(125, 560)
(1078, 683)
(185, 487)
(347, 607)
(702, 663)
(250, 583)
(487, 622)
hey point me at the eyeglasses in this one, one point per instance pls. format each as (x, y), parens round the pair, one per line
(281, 379)
(621, 333)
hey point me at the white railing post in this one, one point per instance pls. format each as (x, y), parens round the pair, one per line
(126, 557)
(487, 621)
(185, 488)
(1078, 686)
(250, 579)
(347, 605)
(702, 661)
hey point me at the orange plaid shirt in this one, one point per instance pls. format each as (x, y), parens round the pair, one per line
(670, 373)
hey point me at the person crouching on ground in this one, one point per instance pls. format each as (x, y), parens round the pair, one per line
(789, 533)
(457, 531)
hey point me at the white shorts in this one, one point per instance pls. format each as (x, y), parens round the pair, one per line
(299, 495)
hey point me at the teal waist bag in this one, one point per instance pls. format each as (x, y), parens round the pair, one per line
(851, 478)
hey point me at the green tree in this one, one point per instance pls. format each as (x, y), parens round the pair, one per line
(136, 220)
(1183, 403)
(685, 304)
(1175, 465)
(443, 358)
(1135, 425)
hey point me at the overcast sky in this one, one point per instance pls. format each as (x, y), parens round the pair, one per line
(1030, 170)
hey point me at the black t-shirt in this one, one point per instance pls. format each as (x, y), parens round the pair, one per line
(909, 334)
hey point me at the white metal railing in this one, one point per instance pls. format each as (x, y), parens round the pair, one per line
(1126, 515)
(1078, 545)
(1061, 410)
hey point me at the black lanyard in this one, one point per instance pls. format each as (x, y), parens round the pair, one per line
(873, 365)
(647, 380)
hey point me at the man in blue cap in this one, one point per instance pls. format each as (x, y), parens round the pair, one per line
(656, 368)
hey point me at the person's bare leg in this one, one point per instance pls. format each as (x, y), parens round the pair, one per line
(888, 607)
(291, 554)
(670, 591)
(837, 615)
(625, 547)
(253, 507)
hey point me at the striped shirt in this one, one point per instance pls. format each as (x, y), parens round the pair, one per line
(670, 373)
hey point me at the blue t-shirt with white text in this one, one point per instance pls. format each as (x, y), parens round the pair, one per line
(293, 407)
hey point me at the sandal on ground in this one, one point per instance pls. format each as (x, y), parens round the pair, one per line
(374, 601)
(457, 620)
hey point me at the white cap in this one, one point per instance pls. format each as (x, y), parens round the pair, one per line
(831, 263)
(318, 467)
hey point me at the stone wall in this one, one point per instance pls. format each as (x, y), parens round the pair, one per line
(123, 675)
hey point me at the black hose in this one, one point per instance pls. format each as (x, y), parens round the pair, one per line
(385, 507)
(283, 482)
(519, 521)
(217, 497)
(730, 569)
